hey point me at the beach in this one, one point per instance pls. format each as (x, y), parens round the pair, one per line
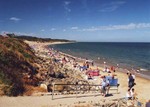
(141, 79)
(141, 88)
(130, 56)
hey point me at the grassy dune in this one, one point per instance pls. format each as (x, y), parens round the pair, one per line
(16, 66)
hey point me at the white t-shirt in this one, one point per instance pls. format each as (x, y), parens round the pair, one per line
(128, 94)
(133, 76)
(132, 94)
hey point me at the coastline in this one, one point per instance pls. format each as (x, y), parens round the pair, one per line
(141, 79)
(141, 72)
(142, 87)
(31, 43)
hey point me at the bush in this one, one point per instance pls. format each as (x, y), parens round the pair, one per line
(16, 58)
(16, 89)
(4, 79)
(10, 87)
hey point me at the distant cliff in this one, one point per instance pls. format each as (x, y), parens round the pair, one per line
(31, 38)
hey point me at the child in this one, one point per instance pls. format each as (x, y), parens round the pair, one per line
(128, 95)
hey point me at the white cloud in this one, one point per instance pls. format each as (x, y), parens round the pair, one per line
(27, 34)
(67, 9)
(119, 27)
(14, 19)
(52, 29)
(4, 32)
(42, 30)
(74, 28)
(111, 6)
(64, 30)
(19, 33)
(66, 6)
(67, 2)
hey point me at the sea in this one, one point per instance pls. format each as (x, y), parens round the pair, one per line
(130, 56)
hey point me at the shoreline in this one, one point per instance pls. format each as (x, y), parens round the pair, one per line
(142, 87)
(41, 50)
(138, 72)
(45, 43)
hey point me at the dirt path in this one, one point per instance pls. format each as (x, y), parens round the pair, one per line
(59, 100)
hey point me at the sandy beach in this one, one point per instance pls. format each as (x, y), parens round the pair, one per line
(142, 88)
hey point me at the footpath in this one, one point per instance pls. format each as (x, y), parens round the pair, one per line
(58, 101)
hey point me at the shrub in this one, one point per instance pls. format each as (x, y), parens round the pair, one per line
(12, 86)
(4, 79)
(16, 58)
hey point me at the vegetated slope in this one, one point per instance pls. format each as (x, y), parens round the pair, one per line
(31, 38)
(16, 66)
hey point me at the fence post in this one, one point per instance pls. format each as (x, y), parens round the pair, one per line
(53, 90)
(76, 88)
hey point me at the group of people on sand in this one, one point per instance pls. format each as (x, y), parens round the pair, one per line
(131, 94)
(109, 70)
(131, 82)
(85, 66)
(105, 80)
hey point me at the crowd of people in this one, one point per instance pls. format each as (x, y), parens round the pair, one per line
(105, 80)
(87, 68)
(109, 74)
(87, 65)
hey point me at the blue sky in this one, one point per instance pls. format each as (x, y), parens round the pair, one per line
(81, 20)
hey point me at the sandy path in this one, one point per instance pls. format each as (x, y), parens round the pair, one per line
(46, 101)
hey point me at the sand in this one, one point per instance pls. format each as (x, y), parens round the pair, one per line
(46, 101)
(142, 89)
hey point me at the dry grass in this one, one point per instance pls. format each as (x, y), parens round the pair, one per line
(16, 58)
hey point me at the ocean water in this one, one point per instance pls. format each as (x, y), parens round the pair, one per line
(126, 55)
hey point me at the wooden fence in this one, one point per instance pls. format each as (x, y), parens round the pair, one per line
(79, 87)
